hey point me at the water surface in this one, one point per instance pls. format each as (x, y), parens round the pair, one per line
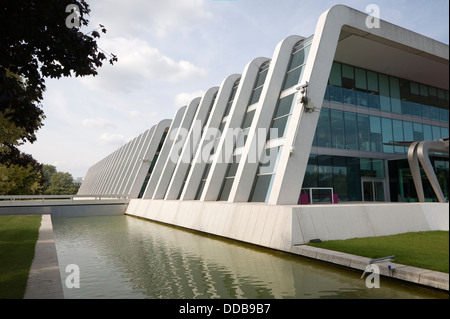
(126, 257)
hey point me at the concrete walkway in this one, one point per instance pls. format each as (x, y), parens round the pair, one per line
(424, 277)
(44, 281)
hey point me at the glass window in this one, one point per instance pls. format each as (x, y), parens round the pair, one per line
(361, 99)
(397, 127)
(226, 189)
(395, 95)
(372, 81)
(312, 172)
(266, 174)
(348, 76)
(444, 132)
(374, 101)
(386, 125)
(279, 127)
(256, 94)
(323, 131)
(408, 131)
(360, 78)
(325, 171)
(436, 132)
(364, 132)
(337, 129)
(385, 101)
(335, 94)
(293, 77)
(427, 133)
(248, 119)
(378, 168)
(351, 131)
(262, 188)
(354, 179)
(376, 142)
(285, 106)
(418, 132)
(349, 96)
(340, 178)
(336, 74)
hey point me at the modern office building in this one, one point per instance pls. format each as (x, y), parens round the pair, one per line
(343, 116)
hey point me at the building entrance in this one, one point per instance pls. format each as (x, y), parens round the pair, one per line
(373, 190)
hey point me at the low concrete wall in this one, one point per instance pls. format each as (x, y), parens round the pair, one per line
(282, 227)
(337, 222)
(66, 210)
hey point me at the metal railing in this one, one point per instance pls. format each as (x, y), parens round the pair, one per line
(18, 200)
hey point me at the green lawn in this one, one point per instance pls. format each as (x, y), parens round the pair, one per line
(429, 250)
(18, 236)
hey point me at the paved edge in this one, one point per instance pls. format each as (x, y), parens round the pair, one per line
(44, 280)
(424, 277)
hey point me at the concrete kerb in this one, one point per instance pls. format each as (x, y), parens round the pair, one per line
(424, 277)
(44, 280)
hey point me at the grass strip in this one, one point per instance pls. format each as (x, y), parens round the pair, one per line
(428, 250)
(18, 237)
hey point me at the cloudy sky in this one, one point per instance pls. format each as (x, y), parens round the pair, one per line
(171, 51)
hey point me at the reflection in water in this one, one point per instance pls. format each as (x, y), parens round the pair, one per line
(126, 257)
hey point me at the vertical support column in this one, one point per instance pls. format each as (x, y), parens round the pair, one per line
(246, 172)
(191, 144)
(164, 154)
(224, 155)
(203, 150)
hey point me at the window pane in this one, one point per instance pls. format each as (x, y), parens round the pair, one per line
(337, 129)
(349, 96)
(256, 94)
(385, 101)
(262, 188)
(340, 180)
(378, 168)
(375, 134)
(436, 132)
(312, 172)
(361, 79)
(269, 161)
(372, 81)
(278, 128)
(427, 132)
(248, 119)
(325, 171)
(418, 132)
(363, 132)
(351, 131)
(336, 75)
(408, 131)
(292, 78)
(284, 106)
(397, 127)
(323, 131)
(335, 94)
(226, 188)
(354, 179)
(395, 95)
(348, 76)
(388, 136)
(298, 59)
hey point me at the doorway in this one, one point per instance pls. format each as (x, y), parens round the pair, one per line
(373, 190)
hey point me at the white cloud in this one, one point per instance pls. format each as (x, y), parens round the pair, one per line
(183, 99)
(109, 138)
(159, 17)
(139, 63)
(98, 123)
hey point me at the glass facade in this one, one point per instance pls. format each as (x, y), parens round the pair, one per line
(370, 113)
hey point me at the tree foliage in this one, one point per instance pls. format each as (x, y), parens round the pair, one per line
(37, 42)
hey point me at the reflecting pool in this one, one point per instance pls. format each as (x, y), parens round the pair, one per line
(126, 257)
